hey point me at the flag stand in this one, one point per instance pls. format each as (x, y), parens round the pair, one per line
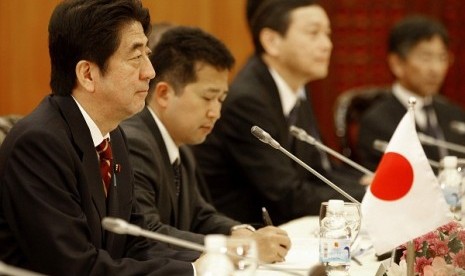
(410, 258)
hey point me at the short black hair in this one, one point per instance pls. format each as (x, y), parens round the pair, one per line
(179, 50)
(250, 9)
(412, 30)
(88, 30)
(273, 14)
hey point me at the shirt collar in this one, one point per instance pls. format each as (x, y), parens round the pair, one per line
(286, 94)
(173, 150)
(403, 95)
(95, 132)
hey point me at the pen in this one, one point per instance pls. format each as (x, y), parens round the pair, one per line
(266, 217)
(267, 221)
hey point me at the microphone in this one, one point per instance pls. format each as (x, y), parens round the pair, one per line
(120, 226)
(458, 127)
(14, 271)
(267, 139)
(428, 140)
(381, 146)
(302, 135)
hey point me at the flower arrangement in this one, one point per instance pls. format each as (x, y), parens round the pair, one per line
(438, 253)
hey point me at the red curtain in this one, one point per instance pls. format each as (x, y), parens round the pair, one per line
(359, 33)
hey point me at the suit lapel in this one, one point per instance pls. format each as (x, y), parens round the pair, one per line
(167, 167)
(271, 90)
(84, 146)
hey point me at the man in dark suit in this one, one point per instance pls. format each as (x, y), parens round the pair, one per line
(183, 105)
(53, 194)
(419, 59)
(292, 47)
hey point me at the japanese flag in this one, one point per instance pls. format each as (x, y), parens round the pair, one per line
(404, 200)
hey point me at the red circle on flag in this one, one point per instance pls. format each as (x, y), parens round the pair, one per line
(393, 178)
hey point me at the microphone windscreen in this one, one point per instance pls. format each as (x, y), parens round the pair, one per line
(380, 145)
(259, 133)
(114, 225)
(458, 127)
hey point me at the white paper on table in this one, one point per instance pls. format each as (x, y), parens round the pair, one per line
(303, 255)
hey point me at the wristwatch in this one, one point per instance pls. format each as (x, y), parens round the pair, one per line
(243, 226)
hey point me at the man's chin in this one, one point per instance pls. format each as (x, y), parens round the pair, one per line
(318, 75)
(197, 141)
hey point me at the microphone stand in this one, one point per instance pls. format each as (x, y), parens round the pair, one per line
(381, 146)
(440, 143)
(121, 226)
(458, 127)
(302, 135)
(267, 139)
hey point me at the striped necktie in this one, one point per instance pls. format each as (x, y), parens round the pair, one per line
(106, 160)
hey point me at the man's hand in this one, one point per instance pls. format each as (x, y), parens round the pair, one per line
(272, 243)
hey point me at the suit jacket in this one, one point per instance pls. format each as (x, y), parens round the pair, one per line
(244, 174)
(185, 217)
(52, 201)
(381, 120)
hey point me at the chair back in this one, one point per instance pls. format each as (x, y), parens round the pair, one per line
(348, 111)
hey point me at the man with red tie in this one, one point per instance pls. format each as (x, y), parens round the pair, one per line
(53, 192)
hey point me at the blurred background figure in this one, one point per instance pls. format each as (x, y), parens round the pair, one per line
(419, 58)
(292, 48)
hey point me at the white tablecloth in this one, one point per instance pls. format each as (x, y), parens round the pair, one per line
(304, 251)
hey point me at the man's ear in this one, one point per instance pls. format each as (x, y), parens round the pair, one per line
(85, 74)
(162, 94)
(271, 41)
(396, 64)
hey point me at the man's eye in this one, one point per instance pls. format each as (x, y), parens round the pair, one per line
(222, 99)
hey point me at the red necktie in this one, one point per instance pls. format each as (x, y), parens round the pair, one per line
(106, 160)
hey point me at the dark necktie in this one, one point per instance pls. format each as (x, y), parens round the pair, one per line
(177, 171)
(106, 160)
(293, 115)
(291, 121)
(324, 160)
(433, 129)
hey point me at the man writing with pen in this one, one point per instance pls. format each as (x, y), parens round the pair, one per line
(182, 106)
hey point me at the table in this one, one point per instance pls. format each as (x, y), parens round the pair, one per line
(304, 252)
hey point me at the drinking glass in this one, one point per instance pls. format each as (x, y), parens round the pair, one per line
(352, 214)
(244, 254)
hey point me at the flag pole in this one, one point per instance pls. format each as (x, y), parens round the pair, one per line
(411, 104)
(410, 258)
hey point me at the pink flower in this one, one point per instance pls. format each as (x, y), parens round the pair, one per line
(450, 228)
(459, 259)
(439, 248)
(440, 252)
(421, 262)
